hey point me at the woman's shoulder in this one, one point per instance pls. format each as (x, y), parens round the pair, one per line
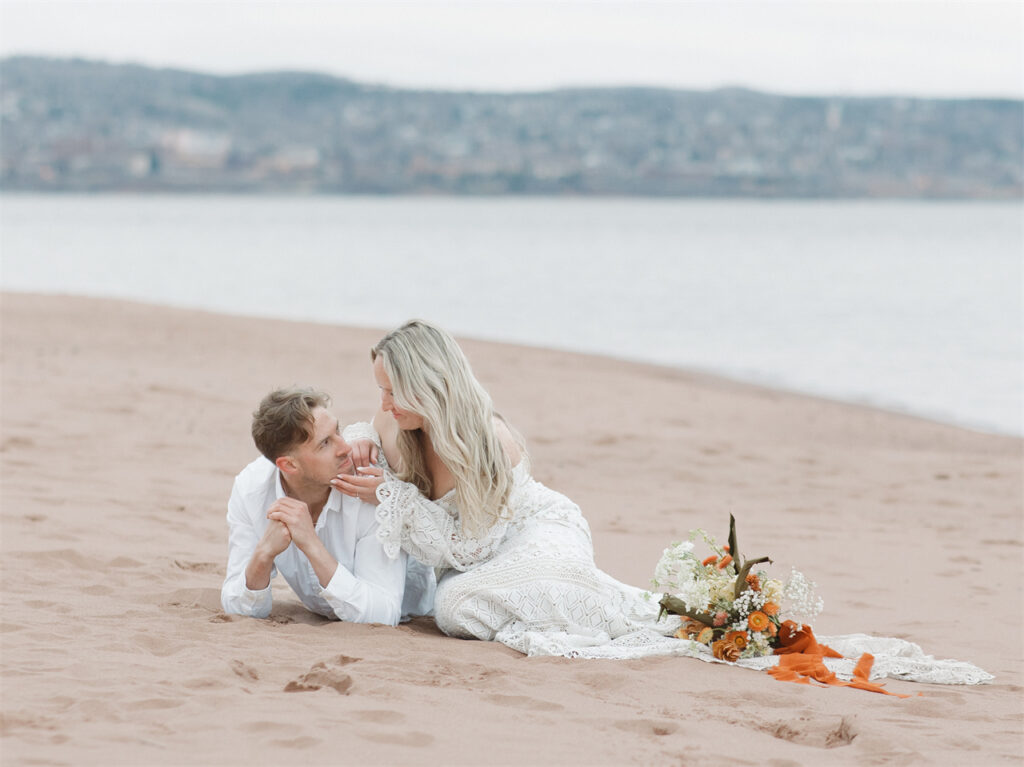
(510, 440)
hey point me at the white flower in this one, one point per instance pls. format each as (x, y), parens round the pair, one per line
(799, 602)
(722, 589)
(675, 568)
(757, 645)
(748, 602)
(695, 595)
(772, 590)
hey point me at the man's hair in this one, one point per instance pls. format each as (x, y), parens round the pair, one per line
(284, 419)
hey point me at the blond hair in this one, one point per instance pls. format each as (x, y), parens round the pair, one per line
(431, 377)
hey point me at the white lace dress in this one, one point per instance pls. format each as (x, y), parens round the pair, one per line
(530, 582)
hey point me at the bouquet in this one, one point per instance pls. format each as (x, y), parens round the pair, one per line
(726, 605)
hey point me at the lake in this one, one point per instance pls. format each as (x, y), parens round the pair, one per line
(908, 306)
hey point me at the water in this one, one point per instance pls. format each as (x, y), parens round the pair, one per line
(909, 306)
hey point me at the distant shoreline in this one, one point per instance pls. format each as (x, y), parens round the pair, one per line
(81, 125)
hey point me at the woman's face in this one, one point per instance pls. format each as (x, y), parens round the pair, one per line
(406, 420)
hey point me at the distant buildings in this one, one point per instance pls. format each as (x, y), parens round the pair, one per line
(85, 126)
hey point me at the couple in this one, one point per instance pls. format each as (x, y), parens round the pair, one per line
(451, 494)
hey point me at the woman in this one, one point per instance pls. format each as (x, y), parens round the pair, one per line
(516, 557)
(456, 493)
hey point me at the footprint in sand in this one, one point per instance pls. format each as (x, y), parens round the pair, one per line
(323, 674)
(317, 678)
(521, 701)
(245, 671)
(157, 645)
(17, 721)
(16, 442)
(303, 741)
(155, 703)
(197, 567)
(263, 726)
(413, 739)
(647, 726)
(379, 716)
(97, 590)
(601, 682)
(807, 731)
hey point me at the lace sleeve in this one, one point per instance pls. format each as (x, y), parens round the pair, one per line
(428, 530)
(361, 430)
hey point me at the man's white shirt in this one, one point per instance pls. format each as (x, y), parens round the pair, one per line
(367, 586)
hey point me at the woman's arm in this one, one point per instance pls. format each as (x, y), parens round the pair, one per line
(428, 531)
(387, 430)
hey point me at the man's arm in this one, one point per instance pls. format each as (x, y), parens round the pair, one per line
(372, 591)
(236, 596)
(258, 572)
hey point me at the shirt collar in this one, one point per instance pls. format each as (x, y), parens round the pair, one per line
(334, 500)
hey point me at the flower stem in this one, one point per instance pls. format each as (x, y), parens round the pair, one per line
(671, 604)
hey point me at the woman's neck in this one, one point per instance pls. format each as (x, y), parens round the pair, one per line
(441, 478)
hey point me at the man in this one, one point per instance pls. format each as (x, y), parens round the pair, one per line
(284, 517)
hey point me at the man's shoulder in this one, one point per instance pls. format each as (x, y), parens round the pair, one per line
(256, 477)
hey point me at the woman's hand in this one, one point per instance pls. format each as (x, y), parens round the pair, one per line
(364, 452)
(363, 485)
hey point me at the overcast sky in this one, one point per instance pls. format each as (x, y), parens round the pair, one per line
(910, 47)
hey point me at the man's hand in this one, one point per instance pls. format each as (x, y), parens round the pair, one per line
(294, 515)
(364, 452)
(276, 539)
(362, 486)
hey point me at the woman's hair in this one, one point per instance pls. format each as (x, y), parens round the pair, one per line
(431, 377)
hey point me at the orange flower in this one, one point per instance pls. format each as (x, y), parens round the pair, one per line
(770, 608)
(725, 651)
(754, 582)
(709, 560)
(772, 629)
(738, 638)
(706, 635)
(758, 621)
(691, 627)
(724, 561)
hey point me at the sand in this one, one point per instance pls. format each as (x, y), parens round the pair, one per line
(123, 426)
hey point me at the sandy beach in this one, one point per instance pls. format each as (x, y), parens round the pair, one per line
(123, 426)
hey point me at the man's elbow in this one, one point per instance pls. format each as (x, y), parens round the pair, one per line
(234, 603)
(387, 615)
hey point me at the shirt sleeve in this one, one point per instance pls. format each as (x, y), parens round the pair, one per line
(372, 592)
(235, 598)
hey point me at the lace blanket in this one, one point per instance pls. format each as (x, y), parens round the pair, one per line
(894, 658)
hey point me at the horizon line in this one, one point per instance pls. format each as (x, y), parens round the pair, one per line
(383, 85)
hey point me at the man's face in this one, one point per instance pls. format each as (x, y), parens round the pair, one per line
(325, 454)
